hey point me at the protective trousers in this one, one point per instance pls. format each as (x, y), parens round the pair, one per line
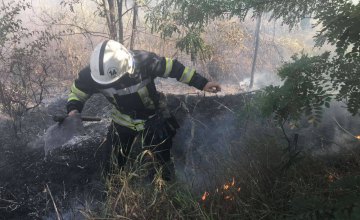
(119, 142)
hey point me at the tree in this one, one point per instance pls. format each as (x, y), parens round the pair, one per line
(133, 29)
(338, 72)
(109, 13)
(23, 64)
(114, 12)
(120, 20)
(339, 22)
(256, 45)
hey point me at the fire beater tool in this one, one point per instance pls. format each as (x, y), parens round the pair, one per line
(64, 130)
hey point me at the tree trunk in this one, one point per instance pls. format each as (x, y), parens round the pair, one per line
(107, 16)
(120, 21)
(133, 31)
(112, 19)
(256, 45)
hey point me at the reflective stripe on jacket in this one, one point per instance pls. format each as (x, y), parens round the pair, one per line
(134, 98)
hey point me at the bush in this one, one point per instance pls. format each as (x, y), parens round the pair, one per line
(23, 63)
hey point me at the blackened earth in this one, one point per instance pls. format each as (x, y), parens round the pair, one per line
(212, 127)
(70, 179)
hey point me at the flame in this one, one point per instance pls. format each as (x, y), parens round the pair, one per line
(228, 197)
(330, 178)
(227, 190)
(228, 185)
(357, 137)
(206, 194)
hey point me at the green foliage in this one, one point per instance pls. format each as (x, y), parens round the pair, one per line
(340, 26)
(173, 17)
(185, 16)
(341, 30)
(194, 45)
(309, 82)
(340, 200)
(340, 21)
(345, 78)
(304, 90)
(199, 12)
(9, 22)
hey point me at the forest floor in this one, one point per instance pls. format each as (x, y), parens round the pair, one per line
(219, 145)
(32, 187)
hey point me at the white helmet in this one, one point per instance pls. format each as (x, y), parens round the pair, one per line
(109, 61)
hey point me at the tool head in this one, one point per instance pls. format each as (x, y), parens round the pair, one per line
(61, 132)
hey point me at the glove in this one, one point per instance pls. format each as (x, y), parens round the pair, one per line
(157, 127)
(61, 117)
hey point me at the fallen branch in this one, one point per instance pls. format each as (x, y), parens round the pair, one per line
(53, 201)
(9, 201)
(225, 106)
(346, 131)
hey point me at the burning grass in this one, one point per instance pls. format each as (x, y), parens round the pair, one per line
(253, 184)
(260, 178)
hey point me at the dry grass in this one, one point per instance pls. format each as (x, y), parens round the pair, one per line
(265, 187)
(257, 187)
(133, 193)
(258, 179)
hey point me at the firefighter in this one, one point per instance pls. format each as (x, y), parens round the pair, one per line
(126, 79)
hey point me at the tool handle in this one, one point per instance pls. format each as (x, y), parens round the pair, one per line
(61, 118)
(90, 118)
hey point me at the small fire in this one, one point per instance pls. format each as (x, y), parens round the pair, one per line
(206, 194)
(228, 185)
(229, 198)
(227, 191)
(330, 178)
(357, 137)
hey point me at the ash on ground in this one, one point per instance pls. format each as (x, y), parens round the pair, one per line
(210, 134)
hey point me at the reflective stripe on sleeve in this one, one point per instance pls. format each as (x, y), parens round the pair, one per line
(72, 97)
(77, 94)
(126, 120)
(187, 75)
(169, 64)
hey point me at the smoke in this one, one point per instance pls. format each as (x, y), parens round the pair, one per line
(338, 130)
(261, 80)
(203, 143)
(211, 138)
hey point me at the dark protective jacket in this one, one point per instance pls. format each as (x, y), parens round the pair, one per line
(134, 98)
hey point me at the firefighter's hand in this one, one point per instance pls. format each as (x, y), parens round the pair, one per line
(73, 113)
(213, 87)
(61, 118)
